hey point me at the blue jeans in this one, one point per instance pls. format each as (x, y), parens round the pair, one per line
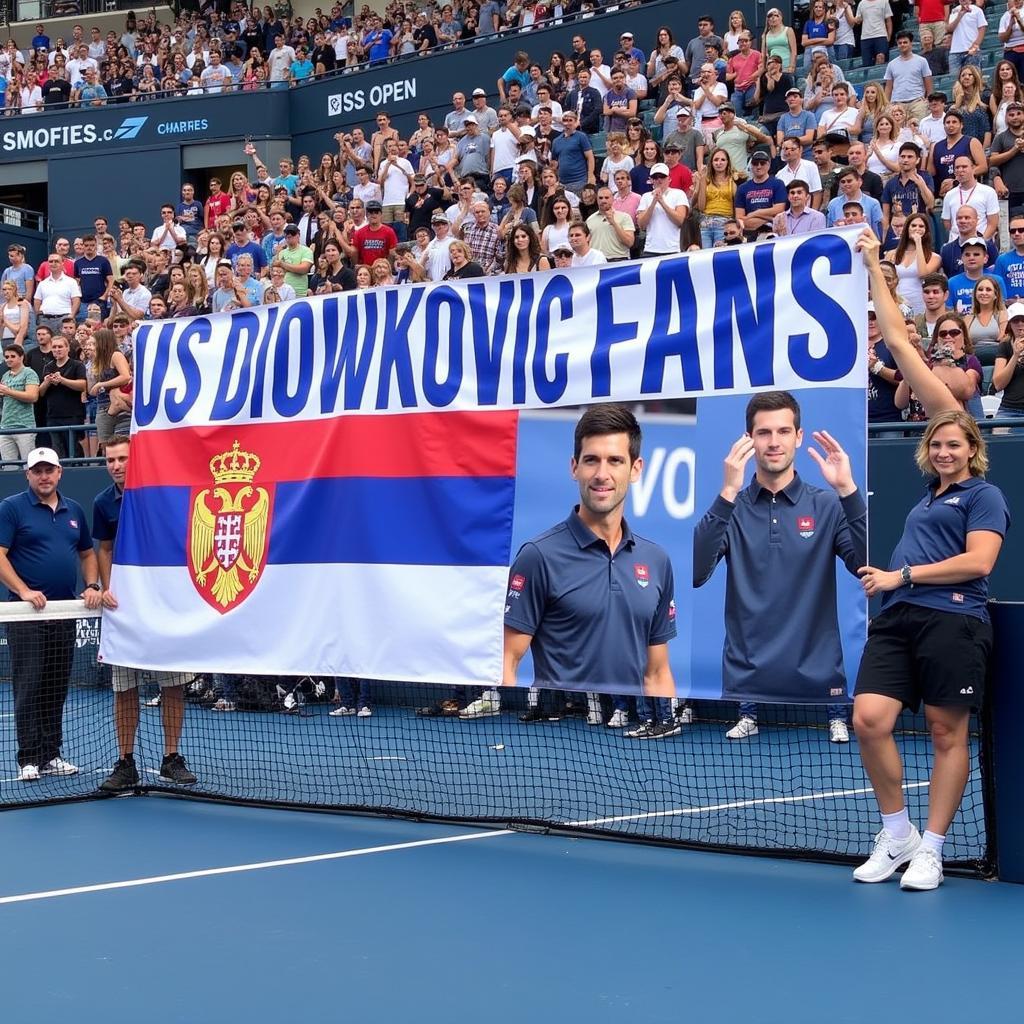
(843, 51)
(654, 709)
(354, 693)
(870, 48)
(748, 709)
(743, 100)
(712, 229)
(225, 686)
(958, 61)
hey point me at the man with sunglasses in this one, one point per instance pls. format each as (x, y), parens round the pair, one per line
(1010, 266)
(760, 199)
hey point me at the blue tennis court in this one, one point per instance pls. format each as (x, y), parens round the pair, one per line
(380, 920)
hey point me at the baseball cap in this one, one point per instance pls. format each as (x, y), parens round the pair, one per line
(479, 92)
(684, 112)
(560, 248)
(1014, 310)
(871, 307)
(760, 154)
(374, 206)
(672, 147)
(626, 35)
(726, 106)
(239, 225)
(45, 455)
(418, 179)
(291, 229)
(659, 169)
(527, 130)
(837, 135)
(470, 119)
(794, 92)
(974, 240)
(1015, 105)
(438, 216)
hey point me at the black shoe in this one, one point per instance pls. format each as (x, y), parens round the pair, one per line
(124, 776)
(174, 769)
(442, 709)
(662, 730)
(538, 715)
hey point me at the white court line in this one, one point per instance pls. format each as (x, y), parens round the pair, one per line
(342, 854)
(762, 802)
(237, 868)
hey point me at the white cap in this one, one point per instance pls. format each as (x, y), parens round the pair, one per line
(37, 455)
(528, 130)
(470, 119)
(1014, 310)
(659, 169)
(871, 307)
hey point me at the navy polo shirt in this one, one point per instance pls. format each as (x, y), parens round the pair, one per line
(106, 511)
(592, 613)
(781, 626)
(43, 545)
(937, 529)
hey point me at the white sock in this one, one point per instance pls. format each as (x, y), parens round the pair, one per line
(898, 824)
(930, 841)
(533, 697)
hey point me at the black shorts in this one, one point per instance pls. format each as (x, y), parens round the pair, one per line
(916, 654)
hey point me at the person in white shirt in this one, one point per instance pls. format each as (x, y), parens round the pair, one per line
(56, 296)
(394, 176)
(600, 73)
(967, 24)
(505, 146)
(933, 125)
(436, 259)
(661, 214)
(795, 168)
(216, 77)
(97, 48)
(968, 191)
(169, 235)
(582, 253)
(280, 60)
(365, 188)
(76, 67)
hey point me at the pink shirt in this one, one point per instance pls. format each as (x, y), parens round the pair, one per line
(627, 205)
(744, 68)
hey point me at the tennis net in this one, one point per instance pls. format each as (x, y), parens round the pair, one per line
(787, 790)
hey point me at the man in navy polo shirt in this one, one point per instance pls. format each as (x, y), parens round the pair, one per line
(106, 514)
(589, 598)
(780, 537)
(44, 541)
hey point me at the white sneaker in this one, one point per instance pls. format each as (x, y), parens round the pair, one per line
(838, 731)
(58, 766)
(925, 871)
(481, 708)
(343, 710)
(153, 702)
(684, 716)
(224, 705)
(742, 729)
(888, 855)
(365, 712)
(594, 715)
(619, 719)
(28, 773)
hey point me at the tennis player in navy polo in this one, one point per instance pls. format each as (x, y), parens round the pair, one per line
(780, 538)
(106, 514)
(44, 543)
(592, 600)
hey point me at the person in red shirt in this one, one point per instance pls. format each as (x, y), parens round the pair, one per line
(62, 247)
(679, 175)
(373, 240)
(219, 203)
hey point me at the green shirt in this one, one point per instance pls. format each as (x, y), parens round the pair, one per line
(18, 414)
(300, 254)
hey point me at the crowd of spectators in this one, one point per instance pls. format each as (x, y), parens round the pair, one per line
(583, 158)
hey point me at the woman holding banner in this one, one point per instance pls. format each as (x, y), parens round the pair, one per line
(932, 639)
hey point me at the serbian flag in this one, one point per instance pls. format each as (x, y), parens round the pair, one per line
(361, 545)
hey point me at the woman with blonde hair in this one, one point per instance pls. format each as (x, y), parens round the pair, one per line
(930, 643)
(969, 100)
(111, 371)
(197, 288)
(15, 314)
(778, 40)
(884, 150)
(872, 104)
(380, 271)
(731, 37)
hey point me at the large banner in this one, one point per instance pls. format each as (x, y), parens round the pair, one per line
(328, 485)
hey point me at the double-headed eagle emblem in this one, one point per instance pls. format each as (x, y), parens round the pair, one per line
(228, 544)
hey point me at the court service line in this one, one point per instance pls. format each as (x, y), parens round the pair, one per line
(760, 802)
(132, 883)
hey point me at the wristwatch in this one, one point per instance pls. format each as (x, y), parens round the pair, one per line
(93, 586)
(905, 576)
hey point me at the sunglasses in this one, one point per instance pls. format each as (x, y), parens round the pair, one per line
(1016, 231)
(950, 332)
